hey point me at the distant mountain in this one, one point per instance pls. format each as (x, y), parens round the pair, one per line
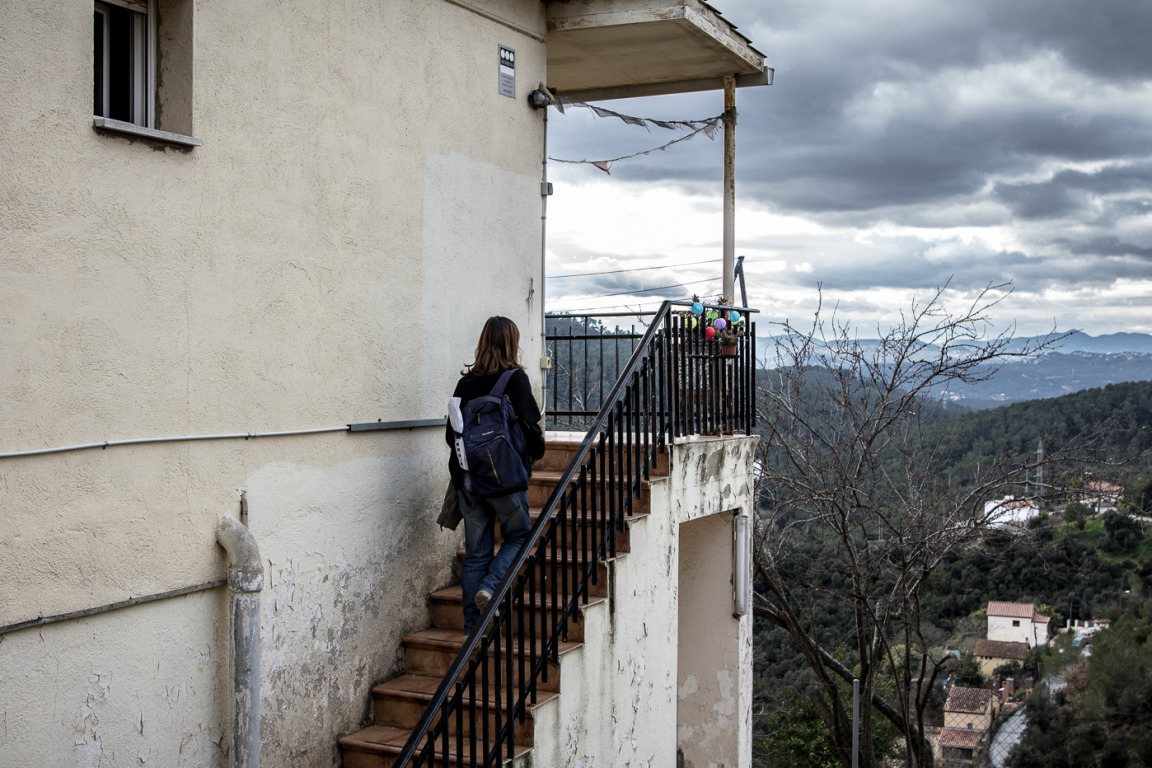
(1077, 362)
(1107, 344)
(1052, 375)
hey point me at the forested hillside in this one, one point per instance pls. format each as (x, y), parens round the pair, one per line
(1074, 565)
(1125, 409)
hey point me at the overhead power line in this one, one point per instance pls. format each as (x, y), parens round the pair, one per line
(626, 293)
(636, 269)
(646, 290)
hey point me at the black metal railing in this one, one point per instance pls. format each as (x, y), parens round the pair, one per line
(674, 382)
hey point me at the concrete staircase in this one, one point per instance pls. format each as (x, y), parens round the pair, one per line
(428, 654)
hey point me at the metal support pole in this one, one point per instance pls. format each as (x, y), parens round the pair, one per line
(743, 288)
(730, 188)
(856, 723)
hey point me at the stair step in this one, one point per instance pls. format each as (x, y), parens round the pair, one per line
(623, 538)
(377, 746)
(560, 450)
(542, 482)
(402, 700)
(447, 611)
(432, 651)
(596, 588)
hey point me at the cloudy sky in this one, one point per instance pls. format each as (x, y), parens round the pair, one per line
(905, 143)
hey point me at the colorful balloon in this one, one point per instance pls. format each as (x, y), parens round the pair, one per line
(713, 314)
(697, 308)
(709, 332)
(719, 324)
(733, 316)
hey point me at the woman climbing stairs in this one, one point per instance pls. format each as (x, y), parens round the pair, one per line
(429, 654)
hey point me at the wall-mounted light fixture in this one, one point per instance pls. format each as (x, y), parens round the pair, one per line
(741, 564)
(539, 98)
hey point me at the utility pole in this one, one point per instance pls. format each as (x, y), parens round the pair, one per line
(730, 187)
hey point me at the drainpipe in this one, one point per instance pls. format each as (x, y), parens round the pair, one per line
(245, 580)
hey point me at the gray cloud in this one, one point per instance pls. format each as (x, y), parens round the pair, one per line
(1029, 121)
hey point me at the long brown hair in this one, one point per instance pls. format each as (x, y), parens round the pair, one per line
(498, 348)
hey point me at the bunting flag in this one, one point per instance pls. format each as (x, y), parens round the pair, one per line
(643, 122)
(707, 127)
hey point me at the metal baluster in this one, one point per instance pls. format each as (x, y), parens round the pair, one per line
(646, 378)
(471, 688)
(587, 396)
(493, 746)
(484, 695)
(626, 425)
(571, 375)
(532, 590)
(554, 623)
(509, 720)
(609, 481)
(572, 561)
(443, 726)
(584, 518)
(459, 717)
(562, 564)
(603, 485)
(522, 652)
(750, 373)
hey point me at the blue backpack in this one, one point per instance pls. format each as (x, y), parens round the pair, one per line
(494, 444)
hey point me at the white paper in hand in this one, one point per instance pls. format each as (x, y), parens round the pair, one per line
(456, 419)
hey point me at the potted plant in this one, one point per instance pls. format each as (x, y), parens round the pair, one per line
(729, 335)
(726, 328)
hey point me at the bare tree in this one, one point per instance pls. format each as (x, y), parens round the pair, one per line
(862, 512)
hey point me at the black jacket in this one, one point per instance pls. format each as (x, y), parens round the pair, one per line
(519, 391)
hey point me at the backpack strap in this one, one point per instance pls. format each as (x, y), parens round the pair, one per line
(498, 390)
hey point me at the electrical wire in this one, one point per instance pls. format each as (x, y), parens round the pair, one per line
(611, 306)
(645, 290)
(636, 269)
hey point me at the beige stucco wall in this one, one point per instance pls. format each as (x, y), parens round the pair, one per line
(623, 699)
(978, 721)
(363, 199)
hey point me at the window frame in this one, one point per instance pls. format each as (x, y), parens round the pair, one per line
(143, 93)
(142, 69)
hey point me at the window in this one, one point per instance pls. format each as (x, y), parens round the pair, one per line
(142, 68)
(124, 44)
(1015, 622)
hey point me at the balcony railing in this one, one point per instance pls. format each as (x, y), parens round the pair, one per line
(705, 391)
(672, 382)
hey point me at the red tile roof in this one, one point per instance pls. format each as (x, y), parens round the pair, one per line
(1013, 610)
(1001, 649)
(970, 700)
(960, 738)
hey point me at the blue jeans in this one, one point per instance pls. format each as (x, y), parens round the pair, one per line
(481, 569)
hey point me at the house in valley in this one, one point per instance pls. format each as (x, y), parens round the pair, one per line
(1017, 623)
(991, 654)
(245, 249)
(968, 715)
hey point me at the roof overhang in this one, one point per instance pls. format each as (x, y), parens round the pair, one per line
(603, 49)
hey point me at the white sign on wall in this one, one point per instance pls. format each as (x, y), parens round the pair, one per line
(507, 72)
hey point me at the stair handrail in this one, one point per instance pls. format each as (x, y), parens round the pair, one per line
(488, 628)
